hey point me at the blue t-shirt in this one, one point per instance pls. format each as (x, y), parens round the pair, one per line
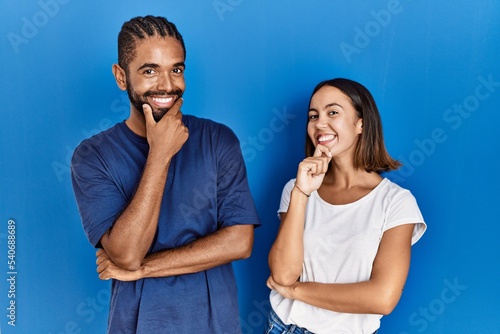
(206, 190)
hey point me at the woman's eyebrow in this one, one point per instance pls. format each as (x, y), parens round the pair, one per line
(334, 104)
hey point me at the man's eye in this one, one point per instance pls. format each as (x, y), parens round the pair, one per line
(149, 71)
(177, 70)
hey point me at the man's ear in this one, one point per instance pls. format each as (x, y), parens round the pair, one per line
(120, 76)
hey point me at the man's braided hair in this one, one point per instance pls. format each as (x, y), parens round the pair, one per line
(140, 28)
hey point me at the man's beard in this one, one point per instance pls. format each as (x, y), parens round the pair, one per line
(138, 101)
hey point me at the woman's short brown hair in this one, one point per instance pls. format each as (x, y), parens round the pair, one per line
(370, 152)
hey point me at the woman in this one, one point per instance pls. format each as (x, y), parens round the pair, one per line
(342, 253)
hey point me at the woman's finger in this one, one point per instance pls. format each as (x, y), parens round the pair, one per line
(322, 150)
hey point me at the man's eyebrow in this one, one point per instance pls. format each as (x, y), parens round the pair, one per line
(150, 65)
(154, 65)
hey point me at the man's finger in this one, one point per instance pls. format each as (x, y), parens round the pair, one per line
(100, 268)
(269, 283)
(175, 109)
(103, 277)
(148, 114)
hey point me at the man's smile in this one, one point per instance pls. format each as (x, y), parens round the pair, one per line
(161, 101)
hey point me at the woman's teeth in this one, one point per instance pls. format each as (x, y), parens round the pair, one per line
(326, 138)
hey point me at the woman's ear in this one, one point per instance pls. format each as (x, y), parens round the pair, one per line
(359, 125)
(120, 76)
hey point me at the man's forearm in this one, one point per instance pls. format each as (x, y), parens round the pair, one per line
(130, 238)
(223, 246)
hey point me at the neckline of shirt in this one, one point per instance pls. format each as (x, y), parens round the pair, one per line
(363, 199)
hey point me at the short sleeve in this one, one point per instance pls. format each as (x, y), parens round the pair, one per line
(403, 209)
(285, 196)
(234, 200)
(99, 200)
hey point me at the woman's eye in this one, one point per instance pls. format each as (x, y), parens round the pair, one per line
(333, 112)
(311, 117)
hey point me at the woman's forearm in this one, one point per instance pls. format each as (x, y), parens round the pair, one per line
(286, 256)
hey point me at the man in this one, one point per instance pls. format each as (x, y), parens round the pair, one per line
(165, 198)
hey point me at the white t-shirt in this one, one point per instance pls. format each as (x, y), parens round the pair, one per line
(340, 245)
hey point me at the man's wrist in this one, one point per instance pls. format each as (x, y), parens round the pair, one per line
(143, 271)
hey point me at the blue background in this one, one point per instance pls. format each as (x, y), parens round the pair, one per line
(432, 67)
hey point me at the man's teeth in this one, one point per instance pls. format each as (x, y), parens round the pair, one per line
(326, 138)
(162, 99)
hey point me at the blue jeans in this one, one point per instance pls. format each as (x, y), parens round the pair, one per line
(276, 326)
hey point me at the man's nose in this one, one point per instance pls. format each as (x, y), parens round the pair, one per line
(165, 82)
